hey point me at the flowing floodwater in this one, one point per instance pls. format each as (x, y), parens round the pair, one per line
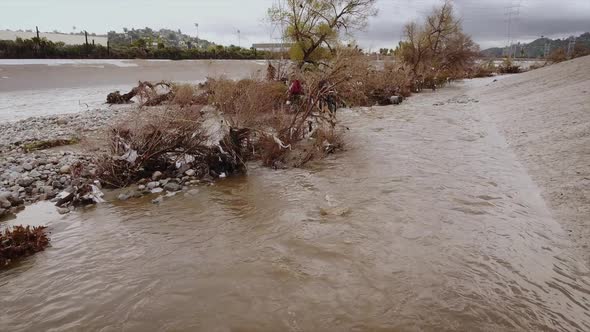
(441, 229)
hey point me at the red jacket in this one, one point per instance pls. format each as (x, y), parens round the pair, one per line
(296, 88)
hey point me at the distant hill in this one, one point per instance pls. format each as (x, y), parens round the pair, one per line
(159, 38)
(536, 49)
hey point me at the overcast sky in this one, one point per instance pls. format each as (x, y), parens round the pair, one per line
(219, 20)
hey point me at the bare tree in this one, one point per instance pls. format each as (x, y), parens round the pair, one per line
(315, 26)
(437, 46)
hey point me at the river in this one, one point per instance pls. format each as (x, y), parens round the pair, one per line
(39, 87)
(442, 229)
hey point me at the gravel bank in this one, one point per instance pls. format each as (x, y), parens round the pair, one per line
(30, 176)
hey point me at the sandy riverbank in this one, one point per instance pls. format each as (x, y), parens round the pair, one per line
(545, 117)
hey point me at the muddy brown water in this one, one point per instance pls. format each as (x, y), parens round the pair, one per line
(40, 87)
(445, 231)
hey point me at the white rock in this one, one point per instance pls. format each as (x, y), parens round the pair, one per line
(65, 169)
(152, 185)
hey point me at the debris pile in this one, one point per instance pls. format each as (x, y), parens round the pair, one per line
(21, 242)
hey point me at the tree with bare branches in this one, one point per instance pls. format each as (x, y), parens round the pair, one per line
(315, 26)
(437, 46)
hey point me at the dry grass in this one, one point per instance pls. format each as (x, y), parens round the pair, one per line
(557, 56)
(184, 94)
(246, 102)
(508, 67)
(486, 69)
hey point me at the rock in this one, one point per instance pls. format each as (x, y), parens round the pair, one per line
(5, 195)
(63, 180)
(27, 167)
(156, 190)
(207, 178)
(56, 184)
(192, 192)
(222, 176)
(152, 185)
(157, 175)
(15, 200)
(5, 204)
(124, 196)
(164, 182)
(335, 211)
(141, 187)
(34, 174)
(395, 100)
(171, 186)
(65, 169)
(183, 169)
(63, 211)
(2, 212)
(25, 182)
(158, 200)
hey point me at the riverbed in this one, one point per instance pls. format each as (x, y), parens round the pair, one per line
(427, 222)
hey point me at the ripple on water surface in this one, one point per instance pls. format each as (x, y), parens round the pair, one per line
(451, 236)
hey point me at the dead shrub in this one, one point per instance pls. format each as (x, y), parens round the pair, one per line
(184, 94)
(557, 56)
(486, 69)
(360, 83)
(329, 140)
(246, 102)
(157, 142)
(20, 242)
(509, 67)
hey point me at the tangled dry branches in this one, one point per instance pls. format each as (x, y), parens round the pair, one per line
(21, 242)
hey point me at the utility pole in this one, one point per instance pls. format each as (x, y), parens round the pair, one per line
(197, 25)
(239, 39)
(87, 45)
(512, 11)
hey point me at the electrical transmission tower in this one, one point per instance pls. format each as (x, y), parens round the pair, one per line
(512, 12)
(547, 49)
(571, 46)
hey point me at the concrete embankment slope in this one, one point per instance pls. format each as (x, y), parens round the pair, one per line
(545, 116)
